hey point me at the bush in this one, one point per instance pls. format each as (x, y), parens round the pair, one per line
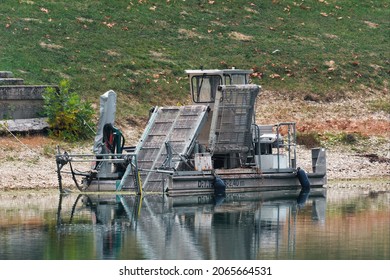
(69, 117)
(309, 140)
(344, 138)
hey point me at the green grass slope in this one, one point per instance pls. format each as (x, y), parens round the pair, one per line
(140, 48)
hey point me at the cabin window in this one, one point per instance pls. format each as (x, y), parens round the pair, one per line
(236, 79)
(204, 88)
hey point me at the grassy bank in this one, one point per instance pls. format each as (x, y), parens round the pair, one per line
(321, 49)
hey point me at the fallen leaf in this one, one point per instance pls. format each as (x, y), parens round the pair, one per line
(189, 33)
(376, 67)
(257, 75)
(240, 37)
(50, 46)
(330, 63)
(330, 36)
(303, 7)
(81, 19)
(323, 14)
(44, 10)
(109, 24)
(371, 24)
(274, 76)
(251, 10)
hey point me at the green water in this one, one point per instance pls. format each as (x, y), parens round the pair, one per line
(337, 224)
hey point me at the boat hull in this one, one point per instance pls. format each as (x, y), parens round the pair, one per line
(192, 184)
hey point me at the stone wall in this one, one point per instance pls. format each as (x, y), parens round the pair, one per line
(20, 103)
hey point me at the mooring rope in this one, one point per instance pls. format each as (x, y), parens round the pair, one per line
(90, 128)
(17, 139)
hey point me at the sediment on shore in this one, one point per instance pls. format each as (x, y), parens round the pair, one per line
(30, 164)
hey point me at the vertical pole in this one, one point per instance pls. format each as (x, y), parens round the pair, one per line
(59, 170)
(59, 208)
(59, 177)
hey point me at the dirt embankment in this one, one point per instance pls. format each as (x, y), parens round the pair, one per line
(28, 162)
(350, 114)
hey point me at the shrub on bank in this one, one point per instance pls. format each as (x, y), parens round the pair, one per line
(69, 117)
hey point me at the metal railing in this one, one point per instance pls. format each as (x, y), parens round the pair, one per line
(128, 159)
(284, 144)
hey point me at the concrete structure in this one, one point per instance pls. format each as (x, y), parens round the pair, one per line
(21, 106)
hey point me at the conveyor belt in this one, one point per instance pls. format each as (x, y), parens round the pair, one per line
(179, 126)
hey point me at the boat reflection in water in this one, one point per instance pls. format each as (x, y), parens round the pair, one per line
(259, 225)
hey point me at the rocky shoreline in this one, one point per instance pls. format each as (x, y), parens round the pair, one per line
(28, 163)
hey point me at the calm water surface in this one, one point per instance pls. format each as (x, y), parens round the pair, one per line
(343, 223)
